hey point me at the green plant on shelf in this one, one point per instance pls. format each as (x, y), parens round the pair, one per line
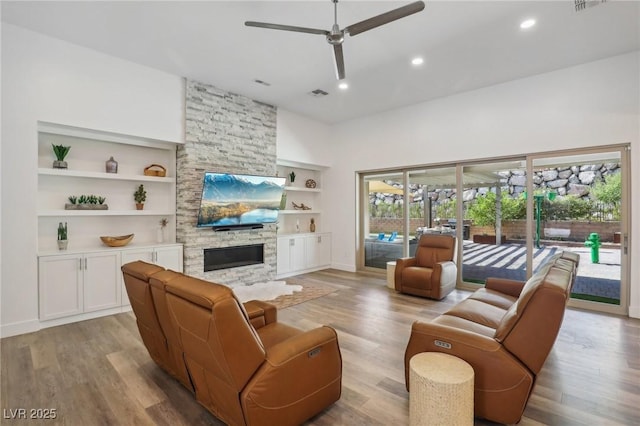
(60, 151)
(140, 195)
(62, 231)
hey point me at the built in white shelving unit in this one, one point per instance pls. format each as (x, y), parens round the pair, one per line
(297, 192)
(85, 281)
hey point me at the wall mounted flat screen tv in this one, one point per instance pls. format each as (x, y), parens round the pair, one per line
(235, 200)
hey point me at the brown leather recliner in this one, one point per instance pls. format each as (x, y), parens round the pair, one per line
(245, 366)
(505, 331)
(160, 339)
(431, 272)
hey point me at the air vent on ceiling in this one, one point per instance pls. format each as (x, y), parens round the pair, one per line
(264, 83)
(318, 93)
(583, 4)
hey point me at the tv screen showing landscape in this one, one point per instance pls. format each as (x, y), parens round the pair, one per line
(236, 200)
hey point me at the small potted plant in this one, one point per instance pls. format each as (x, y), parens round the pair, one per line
(62, 236)
(292, 176)
(140, 196)
(61, 152)
(163, 224)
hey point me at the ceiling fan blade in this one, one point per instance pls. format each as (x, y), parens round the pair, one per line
(337, 52)
(286, 28)
(384, 18)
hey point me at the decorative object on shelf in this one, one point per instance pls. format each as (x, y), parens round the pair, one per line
(86, 202)
(140, 196)
(312, 225)
(62, 236)
(310, 183)
(160, 233)
(119, 241)
(111, 165)
(292, 176)
(155, 170)
(297, 225)
(61, 152)
(300, 206)
(283, 201)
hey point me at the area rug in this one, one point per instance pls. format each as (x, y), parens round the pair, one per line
(265, 291)
(290, 295)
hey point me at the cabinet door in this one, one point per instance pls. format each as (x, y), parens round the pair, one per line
(145, 255)
(283, 264)
(318, 250)
(127, 256)
(102, 281)
(297, 253)
(169, 257)
(60, 286)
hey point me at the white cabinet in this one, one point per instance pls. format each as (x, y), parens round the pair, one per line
(101, 281)
(317, 250)
(169, 256)
(301, 253)
(78, 283)
(290, 254)
(82, 285)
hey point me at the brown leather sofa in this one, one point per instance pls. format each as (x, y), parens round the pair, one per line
(244, 366)
(432, 271)
(505, 332)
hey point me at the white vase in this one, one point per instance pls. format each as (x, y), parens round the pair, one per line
(160, 235)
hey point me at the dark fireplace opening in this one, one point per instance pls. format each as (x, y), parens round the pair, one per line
(233, 257)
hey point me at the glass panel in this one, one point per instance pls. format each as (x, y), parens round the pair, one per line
(494, 207)
(577, 202)
(383, 219)
(432, 207)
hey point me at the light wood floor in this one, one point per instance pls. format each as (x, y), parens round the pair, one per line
(97, 372)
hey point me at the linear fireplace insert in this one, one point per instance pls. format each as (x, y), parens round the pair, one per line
(233, 257)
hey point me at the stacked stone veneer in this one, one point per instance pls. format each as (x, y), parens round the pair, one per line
(225, 133)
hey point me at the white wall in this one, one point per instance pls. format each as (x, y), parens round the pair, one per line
(302, 139)
(49, 80)
(589, 105)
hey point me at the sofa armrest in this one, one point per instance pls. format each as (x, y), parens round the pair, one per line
(402, 263)
(494, 367)
(302, 371)
(448, 272)
(506, 286)
(260, 313)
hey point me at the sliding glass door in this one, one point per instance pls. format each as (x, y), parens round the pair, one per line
(580, 206)
(510, 216)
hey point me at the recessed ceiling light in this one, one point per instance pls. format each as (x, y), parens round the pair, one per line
(417, 61)
(528, 23)
(343, 85)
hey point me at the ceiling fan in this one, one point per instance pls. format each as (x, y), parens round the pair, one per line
(335, 37)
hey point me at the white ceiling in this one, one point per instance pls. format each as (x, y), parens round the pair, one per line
(466, 45)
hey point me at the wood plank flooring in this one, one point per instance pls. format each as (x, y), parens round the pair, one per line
(98, 372)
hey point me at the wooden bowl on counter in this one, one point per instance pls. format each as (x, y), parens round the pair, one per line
(119, 241)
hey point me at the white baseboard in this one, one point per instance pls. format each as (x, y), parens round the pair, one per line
(343, 267)
(16, 328)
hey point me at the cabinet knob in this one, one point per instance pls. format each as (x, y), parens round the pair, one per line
(292, 242)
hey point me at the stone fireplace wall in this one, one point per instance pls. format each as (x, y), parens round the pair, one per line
(226, 133)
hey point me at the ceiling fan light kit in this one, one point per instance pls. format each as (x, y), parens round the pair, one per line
(336, 36)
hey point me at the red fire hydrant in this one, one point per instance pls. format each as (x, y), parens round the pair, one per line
(594, 242)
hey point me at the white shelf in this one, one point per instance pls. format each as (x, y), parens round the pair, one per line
(102, 175)
(100, 247)
(104, 136)
(301, 189)
(299, 212)
(106, 213)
